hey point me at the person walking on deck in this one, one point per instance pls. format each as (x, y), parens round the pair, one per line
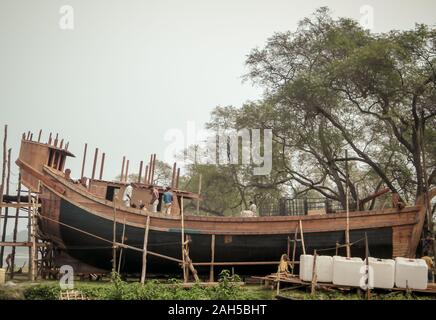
(168, 200)
(154, 199)
(127, 196)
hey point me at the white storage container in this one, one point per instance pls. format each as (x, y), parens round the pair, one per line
(411, 273)
(348, 271)
(324, 268)
(382, 272)
(2, 276)
(306, 267)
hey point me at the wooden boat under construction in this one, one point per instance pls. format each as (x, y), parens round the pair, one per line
(79, 221)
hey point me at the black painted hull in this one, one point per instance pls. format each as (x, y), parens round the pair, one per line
(98, 253)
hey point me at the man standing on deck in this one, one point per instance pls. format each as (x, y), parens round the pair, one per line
(168, 200)
(127, 196)
(253, 208)
(154, 199)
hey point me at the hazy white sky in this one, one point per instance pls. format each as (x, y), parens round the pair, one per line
(131, 70)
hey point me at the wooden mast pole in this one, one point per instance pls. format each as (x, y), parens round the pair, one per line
(146, 175)
(144, 251)
(347, 231)
(102, 166)
(150, 166)
(5, 221)
(83, 161)
(177, 178)
(173, 178)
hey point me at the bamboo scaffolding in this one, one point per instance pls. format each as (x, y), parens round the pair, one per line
(212, 260)
(347, 231)
(14, 237)
(182, 219)
(122, 242)
(3, 173)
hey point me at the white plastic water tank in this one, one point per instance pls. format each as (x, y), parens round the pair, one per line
(411, 273)
(382, 272)
(347, 271)
(324, 268)
(306, 267)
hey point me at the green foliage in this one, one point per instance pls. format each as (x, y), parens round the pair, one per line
(227, 289)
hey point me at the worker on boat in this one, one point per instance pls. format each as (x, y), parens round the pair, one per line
(127, 196)
(253, 208)
(8, 262)
(67, 175)
(154, 199)
(168, 200)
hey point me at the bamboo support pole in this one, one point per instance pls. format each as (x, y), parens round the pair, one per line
(122, 169)
(212, 259)
(3, 171)
(5, 218)
(103, 156)
(83, 161)
(314, 278)
(182, 219)
(347, 231)
(34, 252)
(14, 236)
(122, 243)
(29, 234)
(302, 237)
(114, 241)
(368, 289)
(145, 251)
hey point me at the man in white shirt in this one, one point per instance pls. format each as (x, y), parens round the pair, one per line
(127, 196)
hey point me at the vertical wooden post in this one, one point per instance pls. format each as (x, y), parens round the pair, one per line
(199, 192)
(102, 165)
(347, 230)
(294, 248)
(368, 289)
(126, 175)
(144, 251)
(150, 180)
(153, 168)
(5, 221)
(83, 161)
(140, 171)
(302, 237)
(122, 169)
(212, 260)
(56, 140)
(34, 252)
(49, 139)
(182, 218)
(39, 135)
(14, 237)
(94, 165)
(177, 178)
(173, 178)
(61, 144)
(146, 175)
(122, 242)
